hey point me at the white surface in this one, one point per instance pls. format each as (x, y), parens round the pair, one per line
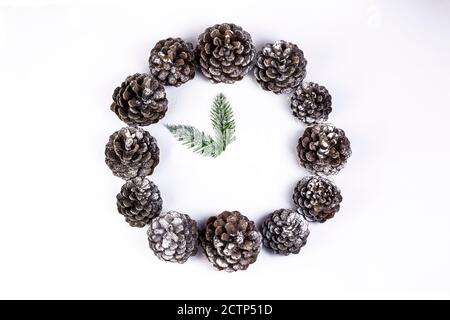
(386, 65)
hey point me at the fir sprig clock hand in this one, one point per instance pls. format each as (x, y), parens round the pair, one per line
(222, 121)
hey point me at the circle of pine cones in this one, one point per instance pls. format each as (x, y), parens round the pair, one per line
(139, 201)
(317, 198)
(132, 152)
(285, 232)
(280, 67)
(173, 236)
(323, 149)
(225, 53)
(140, 100)
(311, 103)
(172, 61)
(231, 242)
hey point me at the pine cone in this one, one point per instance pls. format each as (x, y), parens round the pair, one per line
(311, 103)
(231, 241)
(317, 198)
(140, 100)
(139, 201)
(280, 67)
(225, 53)
(285, 232)
(172, 61)
(173, 237)
(324, 149)
(131, 152)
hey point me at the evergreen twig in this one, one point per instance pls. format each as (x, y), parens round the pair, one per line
(222, 121)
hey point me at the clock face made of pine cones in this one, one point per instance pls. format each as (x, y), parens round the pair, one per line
(230, 241)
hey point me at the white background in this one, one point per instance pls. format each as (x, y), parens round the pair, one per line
(387, 66)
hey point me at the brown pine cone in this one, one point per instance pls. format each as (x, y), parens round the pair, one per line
(139, 201)
(231, 241)
(131, 152)
(317, 198)
(172, 61)
(140, 100)
(280, 67)
(311, 103)
(225, 53)
(173, 237)
(323, 149)
(285, 232)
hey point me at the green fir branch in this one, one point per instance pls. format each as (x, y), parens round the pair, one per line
(200, 142)
(222, 121)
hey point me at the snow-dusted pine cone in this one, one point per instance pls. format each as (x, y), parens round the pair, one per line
(172, 61)
(173, 236)
(280, 67)
(131, 152)
(140, 100)
(139, 201)
(225, 53)
(311, 103)
(317, 198)
(285, 232)
(323, 149)
(231, 241)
